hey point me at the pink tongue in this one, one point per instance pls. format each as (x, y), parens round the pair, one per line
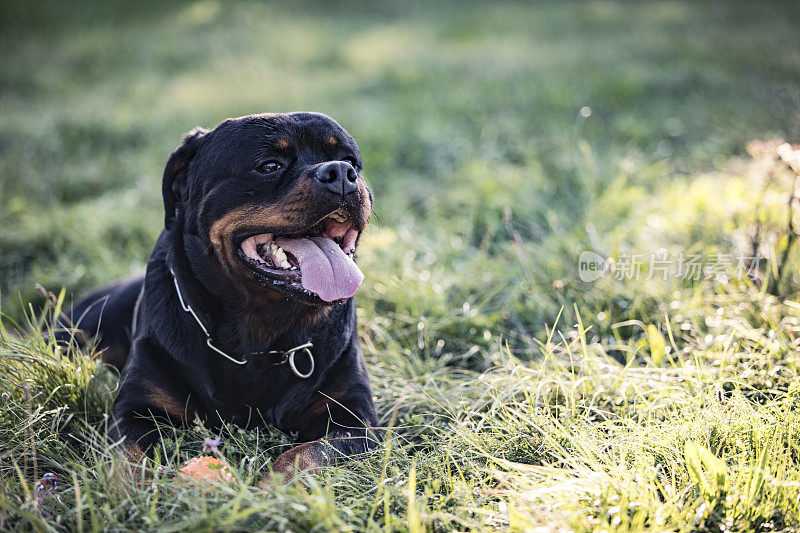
(324, 267)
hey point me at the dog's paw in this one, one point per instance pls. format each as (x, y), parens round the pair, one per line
(308, 457)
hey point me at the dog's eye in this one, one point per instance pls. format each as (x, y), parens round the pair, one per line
(269, 166)
(352, 160)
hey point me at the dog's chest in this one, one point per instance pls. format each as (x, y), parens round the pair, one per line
(259, 394)
(247, 398)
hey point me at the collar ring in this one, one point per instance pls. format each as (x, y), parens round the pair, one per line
(296, 372)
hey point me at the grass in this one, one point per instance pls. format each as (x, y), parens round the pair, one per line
(501, 140)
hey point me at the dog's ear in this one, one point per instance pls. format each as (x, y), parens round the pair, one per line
(173, 184)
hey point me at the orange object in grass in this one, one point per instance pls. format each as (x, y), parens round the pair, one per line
(205, 468)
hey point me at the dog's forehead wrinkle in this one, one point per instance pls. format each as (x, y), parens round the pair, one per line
(256, 134)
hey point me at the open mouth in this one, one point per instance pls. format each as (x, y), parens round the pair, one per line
(314, 263)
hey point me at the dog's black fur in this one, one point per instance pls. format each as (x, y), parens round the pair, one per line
(216, 193)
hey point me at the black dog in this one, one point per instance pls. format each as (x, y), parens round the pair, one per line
(245, 314)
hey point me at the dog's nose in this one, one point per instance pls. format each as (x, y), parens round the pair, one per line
(338, 177)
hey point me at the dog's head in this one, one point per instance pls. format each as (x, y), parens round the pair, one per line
(278, 200)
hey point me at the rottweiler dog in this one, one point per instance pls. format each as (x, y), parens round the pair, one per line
(245, 314)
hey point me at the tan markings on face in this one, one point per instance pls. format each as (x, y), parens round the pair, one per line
(282, 215)
(161, 399)
(243, 217)
(366, 203)
(332, 141)
(282, 143)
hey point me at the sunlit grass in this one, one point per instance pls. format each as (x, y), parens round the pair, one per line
(708, 439)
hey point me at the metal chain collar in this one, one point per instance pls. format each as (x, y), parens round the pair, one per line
(288, 355)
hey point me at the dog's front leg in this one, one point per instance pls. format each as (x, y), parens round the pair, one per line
(336, 424)
(148, 395)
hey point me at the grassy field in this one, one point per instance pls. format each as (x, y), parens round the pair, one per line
(501, 141)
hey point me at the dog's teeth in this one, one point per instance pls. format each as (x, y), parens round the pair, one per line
(279, 256)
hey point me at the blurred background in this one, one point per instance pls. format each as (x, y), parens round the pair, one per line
(500, 139)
